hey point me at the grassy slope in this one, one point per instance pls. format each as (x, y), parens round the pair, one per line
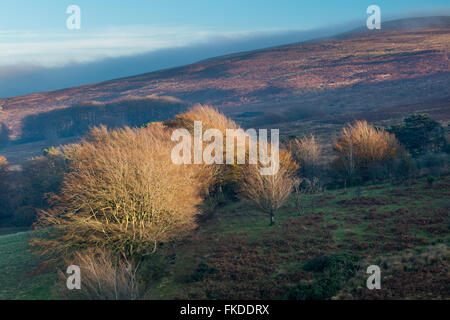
(16, 262)
(254, 260)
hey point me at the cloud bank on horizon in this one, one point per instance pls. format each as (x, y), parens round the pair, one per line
(58, 73)
(50, 57)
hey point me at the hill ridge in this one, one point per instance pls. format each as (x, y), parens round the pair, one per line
(269, 75)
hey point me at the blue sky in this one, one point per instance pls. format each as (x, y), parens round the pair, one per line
(216, 14)
(33, 29)
(33, 34)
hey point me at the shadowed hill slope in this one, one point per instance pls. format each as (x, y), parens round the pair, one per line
(78, 119)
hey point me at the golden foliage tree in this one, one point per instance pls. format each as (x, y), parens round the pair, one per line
(361, 145)
(224, 176)
(210, 117)
(267, 192)
(123, 193)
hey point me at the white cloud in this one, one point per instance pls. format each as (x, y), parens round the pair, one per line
(50, 49)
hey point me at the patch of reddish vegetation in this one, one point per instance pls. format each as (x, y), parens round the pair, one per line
(409, 275)
(253, 269)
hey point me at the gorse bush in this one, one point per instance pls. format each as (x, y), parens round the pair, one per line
(124, 193)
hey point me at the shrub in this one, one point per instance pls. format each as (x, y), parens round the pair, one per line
(435, 164)
(337, 264)
(153, 268)
(420, 134)
(361, 148)
(123, 193)
(106, 277)
(322, 289)
(404, 166)
(49, 151)
(24, 192)
(202, 270)
(336, 269)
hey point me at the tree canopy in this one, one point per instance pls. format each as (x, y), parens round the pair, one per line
(420, 134)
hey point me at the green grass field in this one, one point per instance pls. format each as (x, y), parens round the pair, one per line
(237, 255)
(16, 265)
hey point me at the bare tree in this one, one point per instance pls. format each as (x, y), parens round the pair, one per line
(307, 152)
(269, 192)
(348, 161)
(302, 188)
(106, 276)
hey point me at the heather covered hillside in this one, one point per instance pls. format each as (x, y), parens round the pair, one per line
(405, 63)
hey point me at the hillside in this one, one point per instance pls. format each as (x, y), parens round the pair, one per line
(405, 64)
(235, 254)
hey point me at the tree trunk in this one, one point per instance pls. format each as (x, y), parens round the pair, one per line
(272, 218)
